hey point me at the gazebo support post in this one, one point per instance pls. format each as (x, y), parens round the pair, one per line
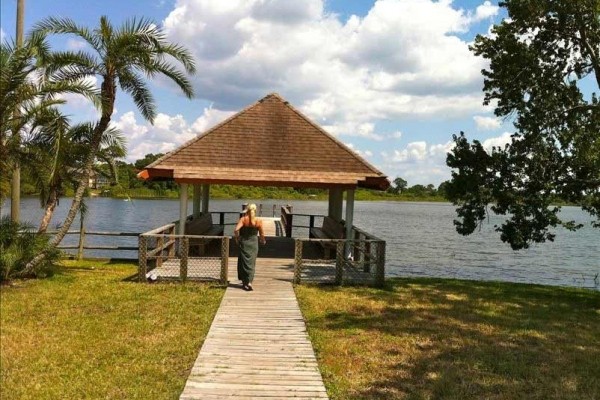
(197, 198)
(183, 205)
(336, 203)
(205, 197)
(349, 220)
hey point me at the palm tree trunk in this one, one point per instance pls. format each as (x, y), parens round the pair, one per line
(49, 210)
(108, 92)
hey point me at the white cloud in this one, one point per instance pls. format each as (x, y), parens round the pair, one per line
(362, 153)
(75, 44)
(486, 123)
(403, 59)
(419, 162)
(2, 35)
(485, 11)
(166, 134)
(499, 141)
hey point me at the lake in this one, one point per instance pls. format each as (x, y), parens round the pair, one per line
(421, 239)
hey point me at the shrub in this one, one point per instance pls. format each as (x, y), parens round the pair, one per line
(19, 243)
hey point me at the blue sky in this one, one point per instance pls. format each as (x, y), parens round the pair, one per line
(393, 79)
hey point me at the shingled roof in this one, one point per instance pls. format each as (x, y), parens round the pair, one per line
(269, 143)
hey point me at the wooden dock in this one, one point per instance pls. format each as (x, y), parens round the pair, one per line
(257, 346)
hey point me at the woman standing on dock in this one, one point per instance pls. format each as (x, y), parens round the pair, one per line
(245, 234)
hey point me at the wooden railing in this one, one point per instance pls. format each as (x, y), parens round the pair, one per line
(82, 245)
(161, 246)
(367, 268)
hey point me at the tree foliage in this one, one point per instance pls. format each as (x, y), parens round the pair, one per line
(544, 74)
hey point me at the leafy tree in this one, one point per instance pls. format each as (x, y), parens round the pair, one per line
(147, 160)
(120, 57)
(399, 186)
(545, 74)
(442, 189)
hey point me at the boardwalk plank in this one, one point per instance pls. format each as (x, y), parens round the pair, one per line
(257, 346)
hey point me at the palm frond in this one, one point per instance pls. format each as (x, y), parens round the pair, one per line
(133, 84)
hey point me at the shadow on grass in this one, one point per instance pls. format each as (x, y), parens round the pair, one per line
(461, 339)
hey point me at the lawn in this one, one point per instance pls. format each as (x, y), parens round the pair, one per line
(87, 332)
(450, 339)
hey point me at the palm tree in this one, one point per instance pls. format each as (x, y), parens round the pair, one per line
(63, 165)
(26, 90)
(120, 57)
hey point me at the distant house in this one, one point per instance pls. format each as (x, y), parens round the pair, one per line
(98, 181)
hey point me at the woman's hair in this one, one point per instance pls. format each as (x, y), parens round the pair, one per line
(251, 212)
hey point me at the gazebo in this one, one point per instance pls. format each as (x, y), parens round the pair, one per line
(269, 143)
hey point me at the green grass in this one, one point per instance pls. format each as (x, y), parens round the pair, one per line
(88, 333)
(449, 339)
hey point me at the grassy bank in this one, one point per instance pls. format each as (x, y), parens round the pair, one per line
(88, 333)
(432, 339)
(227, 192)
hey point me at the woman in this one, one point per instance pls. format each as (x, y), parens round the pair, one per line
(245, 235)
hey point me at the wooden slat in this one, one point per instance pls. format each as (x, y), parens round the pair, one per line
(257, 346)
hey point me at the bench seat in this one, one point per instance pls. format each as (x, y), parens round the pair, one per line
(202, 226)
(331, 229)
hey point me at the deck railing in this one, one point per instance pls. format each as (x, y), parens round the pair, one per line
(165, 255)
(84, 245)
(365, 266)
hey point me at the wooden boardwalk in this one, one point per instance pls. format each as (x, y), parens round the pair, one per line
(257, 346)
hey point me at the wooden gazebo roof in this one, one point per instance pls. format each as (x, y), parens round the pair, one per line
(269, 143)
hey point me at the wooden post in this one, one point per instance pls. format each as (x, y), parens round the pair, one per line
(274, 209)
(183, 205)
(222, 218)
(81, 240)
(367, 256)
(159, 245)
(171, 251)
(297, 261)
(311, 222)
(339, 263)
(142, 260)
(336, 203)
(197, 200)
(349, 221)
(183, 253)
(224, 260)
(380, 271)
(205, 197)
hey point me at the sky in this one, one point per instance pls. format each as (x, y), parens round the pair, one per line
(392, 79)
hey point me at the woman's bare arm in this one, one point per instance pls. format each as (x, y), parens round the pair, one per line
(261, 232)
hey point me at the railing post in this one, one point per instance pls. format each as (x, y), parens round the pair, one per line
(183, 253)
(380, 271)
(171, 252)
(274, 209)
(297, 261)
(367, 256)
(142, 258)
(221, 218)
(339, 262)
(311, 222)
(288, 225)
(81, 242)
(224, 260)
(159, 245)
(260, 210)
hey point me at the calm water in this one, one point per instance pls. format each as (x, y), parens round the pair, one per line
(421, 240)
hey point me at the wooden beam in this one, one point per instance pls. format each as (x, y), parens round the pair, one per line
(183, 205)
(197, 199)
(205, 197)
